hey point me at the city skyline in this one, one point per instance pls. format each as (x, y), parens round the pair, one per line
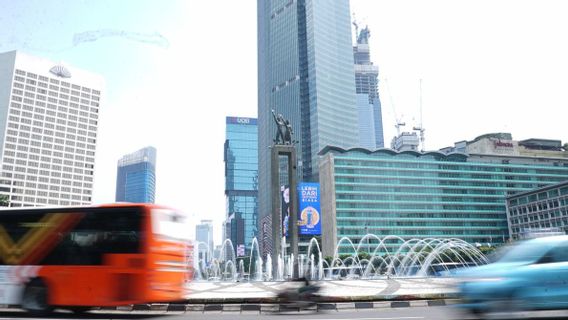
(477, 77)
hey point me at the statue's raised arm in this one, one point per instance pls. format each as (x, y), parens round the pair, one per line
(276, 117)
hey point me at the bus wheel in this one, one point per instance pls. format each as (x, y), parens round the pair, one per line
(35, 298)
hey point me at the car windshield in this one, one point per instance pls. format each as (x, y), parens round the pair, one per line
(525, 252)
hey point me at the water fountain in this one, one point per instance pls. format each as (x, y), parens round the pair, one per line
(391, 256)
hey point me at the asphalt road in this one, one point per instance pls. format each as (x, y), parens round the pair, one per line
(413, 313)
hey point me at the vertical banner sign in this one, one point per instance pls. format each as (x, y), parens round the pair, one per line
(240, 250)
(309, 215)
(285, 192)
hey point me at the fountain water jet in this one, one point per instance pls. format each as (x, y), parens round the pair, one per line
(390, 256)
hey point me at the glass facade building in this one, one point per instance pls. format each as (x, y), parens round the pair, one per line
(537, 210)
(204, 238)
(305, 72)
(366, 123)
(136, 177)
(424, 195)
(241, 180)
(367, 85)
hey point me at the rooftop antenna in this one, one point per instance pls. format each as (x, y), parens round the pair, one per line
(420, 128)
(398, 120)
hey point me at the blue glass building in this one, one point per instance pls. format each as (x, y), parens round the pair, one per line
(367, 88)
(367, 137)
(426, 195)
(136, 177)
(305, 72)
(241, 180)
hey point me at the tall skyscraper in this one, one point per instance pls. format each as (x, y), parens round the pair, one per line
(48, 131)
(241, 180)
(367, 88)
(305, 72)
(204, 237)
(136, 177)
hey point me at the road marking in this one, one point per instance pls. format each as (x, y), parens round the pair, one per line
(396, 318)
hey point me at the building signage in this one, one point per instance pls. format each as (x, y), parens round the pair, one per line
(309, 215)
(502, 144)
(60, 71)
(240, 120)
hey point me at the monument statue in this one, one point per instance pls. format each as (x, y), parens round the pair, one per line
(284, 130)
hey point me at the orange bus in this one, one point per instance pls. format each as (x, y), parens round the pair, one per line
(80, 257)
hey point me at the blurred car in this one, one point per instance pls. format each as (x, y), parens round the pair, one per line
(532, 275)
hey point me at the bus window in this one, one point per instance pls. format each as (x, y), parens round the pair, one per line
(97, 234)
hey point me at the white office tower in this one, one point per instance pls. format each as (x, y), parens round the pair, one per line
(48, 131)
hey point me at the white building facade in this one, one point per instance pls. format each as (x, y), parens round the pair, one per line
(49, 117)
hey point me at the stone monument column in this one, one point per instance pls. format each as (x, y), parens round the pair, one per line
(284, 146)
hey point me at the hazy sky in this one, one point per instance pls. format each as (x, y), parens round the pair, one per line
(175, 69)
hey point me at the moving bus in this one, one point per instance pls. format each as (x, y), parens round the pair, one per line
(79, 257)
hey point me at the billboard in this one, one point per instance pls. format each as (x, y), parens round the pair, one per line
(285, 205)
(240, 250)
(309, 215)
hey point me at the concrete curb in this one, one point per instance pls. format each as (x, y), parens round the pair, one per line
(328, 299)
(326, 306)
(268, 307)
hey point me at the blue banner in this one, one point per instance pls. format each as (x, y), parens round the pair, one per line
(309, 215)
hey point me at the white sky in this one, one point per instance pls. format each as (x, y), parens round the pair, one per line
(487, 66)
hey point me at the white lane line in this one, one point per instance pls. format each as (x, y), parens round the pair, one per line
(396, 318)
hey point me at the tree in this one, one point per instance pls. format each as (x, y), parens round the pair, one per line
(4, 200)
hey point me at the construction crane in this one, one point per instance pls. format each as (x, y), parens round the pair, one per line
(398, 120)
(420, 128)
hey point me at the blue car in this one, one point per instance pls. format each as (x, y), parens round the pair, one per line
(532, 275)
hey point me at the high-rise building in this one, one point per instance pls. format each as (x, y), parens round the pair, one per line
(367, 88)
(367, 138)
(451, 194)
(241, 180)
(48, 131)
(204, 237)
(305, 72)
(136, 177)
(538, 210)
